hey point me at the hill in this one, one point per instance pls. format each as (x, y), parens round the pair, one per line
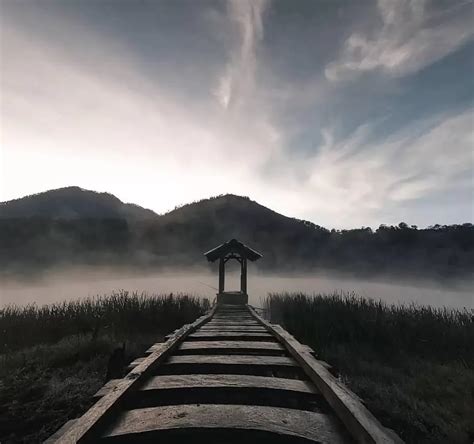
(72, 203)
(76, 227)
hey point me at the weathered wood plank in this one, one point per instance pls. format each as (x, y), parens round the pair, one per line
(154, 348)
(98, 414)
(134, 363)
(233, 326)
(363, 426)
(236, 345)
(167, 382)
(60, 432)
(235, 329)
(315, 427)
(232, 360)
(231, 335)
(232, 323)
(106, 388)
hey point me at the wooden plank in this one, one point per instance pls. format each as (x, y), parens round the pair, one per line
(257, 326)
(232, 360)
(229, 335)
(315, 427)
(133, 364)
(167, 382)
(233, 320)
(83, 429)
(362, 425)
(137, 361)
(228, 320)
(154, 347)
(244, 313)
(247, 317)
(106, 388)
(235, 329)
(233, 324)
(60, 432)
(235, 345)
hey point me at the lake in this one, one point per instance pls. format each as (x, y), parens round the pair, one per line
(77, 284)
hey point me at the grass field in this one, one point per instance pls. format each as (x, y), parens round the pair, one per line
(54, 358)
(412, 365)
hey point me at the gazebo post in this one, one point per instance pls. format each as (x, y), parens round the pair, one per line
(221, 275)
(243, 276)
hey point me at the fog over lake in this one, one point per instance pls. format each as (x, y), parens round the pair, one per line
(55, 287)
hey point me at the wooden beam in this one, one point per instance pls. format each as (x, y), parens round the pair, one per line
(243, 276)
(233, 329)
(221, 275)
(232, 360)
(232, 345)
(232, 335)
(277, 421)
(167, 382)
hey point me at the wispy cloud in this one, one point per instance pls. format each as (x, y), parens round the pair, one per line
(409, 38)
(355, 180)
(238, 80)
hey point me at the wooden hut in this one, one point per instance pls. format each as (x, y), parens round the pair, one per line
(240, 252)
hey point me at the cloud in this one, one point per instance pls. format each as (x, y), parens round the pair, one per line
(237, 83)
(358, 182)
(409, 38)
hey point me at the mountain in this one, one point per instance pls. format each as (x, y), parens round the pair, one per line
(199, 226)
(72, 203)
(71, 226)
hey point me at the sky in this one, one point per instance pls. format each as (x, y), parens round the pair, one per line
(345, 113)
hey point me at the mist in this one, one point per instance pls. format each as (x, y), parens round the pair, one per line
(77, 283)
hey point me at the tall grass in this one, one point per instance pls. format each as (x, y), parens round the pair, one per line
(121, 314)
(426, 332)
(53, 358)
(412, 365)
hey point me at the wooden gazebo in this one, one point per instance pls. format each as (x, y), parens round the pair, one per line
(232, 249)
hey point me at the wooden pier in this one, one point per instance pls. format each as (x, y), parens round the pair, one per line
(229, 376)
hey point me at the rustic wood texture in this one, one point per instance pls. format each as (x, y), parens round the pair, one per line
(60, 432)
(236, 381)
(154, 347)
(106, 388)
(233, 329)
(315, 427)
(231, 334)
(232, 360)
(222, 323)
(209, 345)
(233, 324)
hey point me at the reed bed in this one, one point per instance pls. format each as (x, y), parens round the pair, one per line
(424, 331)
(412, 365)
(120, 314)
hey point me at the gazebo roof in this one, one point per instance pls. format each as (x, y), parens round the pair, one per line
(232, 246)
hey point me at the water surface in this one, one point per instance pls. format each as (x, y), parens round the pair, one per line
(77, 284)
